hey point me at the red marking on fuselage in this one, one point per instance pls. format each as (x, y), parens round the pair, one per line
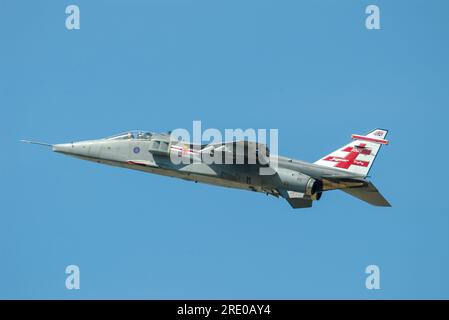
(184, 150)
(136, 163)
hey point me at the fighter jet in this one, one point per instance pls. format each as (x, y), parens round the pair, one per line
(240, 164)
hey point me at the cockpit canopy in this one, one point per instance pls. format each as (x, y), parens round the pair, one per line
(134, 134)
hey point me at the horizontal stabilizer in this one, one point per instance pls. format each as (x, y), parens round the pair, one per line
(368, 193)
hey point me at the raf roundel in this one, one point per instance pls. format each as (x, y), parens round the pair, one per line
(136, 149)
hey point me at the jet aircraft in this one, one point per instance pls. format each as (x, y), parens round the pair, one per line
(238, 164)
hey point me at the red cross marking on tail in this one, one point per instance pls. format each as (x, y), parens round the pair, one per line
(361, 148)
(351, 158)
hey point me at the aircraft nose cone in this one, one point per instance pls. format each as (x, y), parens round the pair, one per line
(63, 148)
(75, 148)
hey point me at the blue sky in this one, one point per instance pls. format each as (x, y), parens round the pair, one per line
(310, 69)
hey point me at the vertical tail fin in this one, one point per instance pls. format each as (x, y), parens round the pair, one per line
(358, 155)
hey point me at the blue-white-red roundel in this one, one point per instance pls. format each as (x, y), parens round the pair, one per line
(136, 149)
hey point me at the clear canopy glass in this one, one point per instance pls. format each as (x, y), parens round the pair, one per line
(134, 134)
